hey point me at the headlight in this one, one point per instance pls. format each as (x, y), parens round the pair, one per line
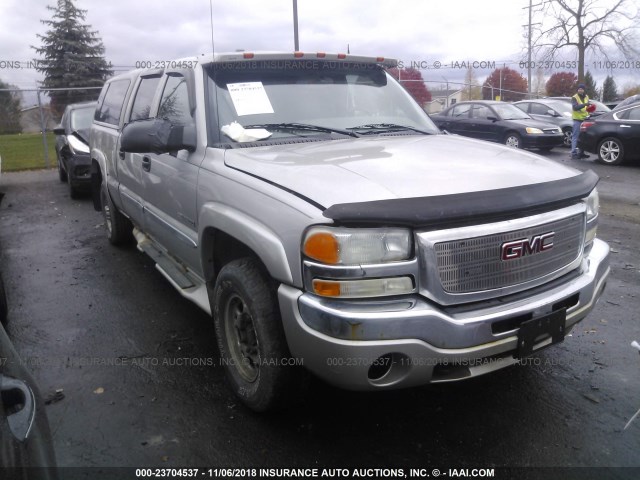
(355, 246)
(533, 130)
(76, 145)
(593, 207)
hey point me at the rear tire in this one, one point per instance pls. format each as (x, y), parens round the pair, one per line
(119, 228)
(610, 151)
(251, 338)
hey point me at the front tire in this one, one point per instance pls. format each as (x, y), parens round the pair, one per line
(513, 140)
(74, 193)
(251, 337)
(62, 173)
(610, 151)
(119, 227)
(568, 134)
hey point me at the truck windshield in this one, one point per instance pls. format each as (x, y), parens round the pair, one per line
(287, 101)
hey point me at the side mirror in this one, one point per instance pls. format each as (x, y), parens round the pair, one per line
(157, 135)
(552, 113)
(492, 118)
(59, 130)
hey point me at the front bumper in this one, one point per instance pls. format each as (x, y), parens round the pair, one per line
(546, 140)
(404, 342)
(78, 168)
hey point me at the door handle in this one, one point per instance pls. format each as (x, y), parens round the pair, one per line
(20, 404)
(625, 126)
(146, 164)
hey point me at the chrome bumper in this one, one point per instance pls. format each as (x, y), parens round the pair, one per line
(395, 343)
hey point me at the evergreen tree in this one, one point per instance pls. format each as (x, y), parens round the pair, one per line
(609, 90)
(592, 86)
(9, 110)
(73, 56)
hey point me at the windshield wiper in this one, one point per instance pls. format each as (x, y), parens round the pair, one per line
(385, 128)
(301, 126)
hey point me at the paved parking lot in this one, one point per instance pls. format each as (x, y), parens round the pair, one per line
(137, 364)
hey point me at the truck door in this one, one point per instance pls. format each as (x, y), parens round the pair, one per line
(130, 171)
(170, 179)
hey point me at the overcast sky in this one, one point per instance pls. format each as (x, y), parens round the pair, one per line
(409, 30)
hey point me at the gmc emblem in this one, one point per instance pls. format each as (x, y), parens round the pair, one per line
(526, 246)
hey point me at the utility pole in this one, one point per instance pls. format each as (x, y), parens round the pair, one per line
(529, 25)
(296, 44)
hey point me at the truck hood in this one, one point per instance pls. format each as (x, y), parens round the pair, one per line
(385, 167)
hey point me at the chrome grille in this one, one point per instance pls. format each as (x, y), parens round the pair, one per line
(474, 264)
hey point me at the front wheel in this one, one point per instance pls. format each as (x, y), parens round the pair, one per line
(513, 140)
(610, 151)
(119, 227)
(568, 135)
(62, 173)
(250, 336)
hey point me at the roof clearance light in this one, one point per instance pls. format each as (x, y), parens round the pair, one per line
(247, 55)
(321, 54)
(379, 59)
(342, 56)
(298, 54)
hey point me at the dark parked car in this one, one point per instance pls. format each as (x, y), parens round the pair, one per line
(553, 111)
(499, 122)
(601, 108)
(72, 146)
(628, 101)
(614, 136)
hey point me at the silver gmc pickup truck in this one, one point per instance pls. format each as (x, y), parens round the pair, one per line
(313, 209)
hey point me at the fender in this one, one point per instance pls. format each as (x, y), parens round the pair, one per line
(254, 234)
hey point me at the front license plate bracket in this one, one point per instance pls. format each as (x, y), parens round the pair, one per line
(538, 329)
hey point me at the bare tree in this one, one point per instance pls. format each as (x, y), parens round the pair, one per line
(597, 26)
(472, 90)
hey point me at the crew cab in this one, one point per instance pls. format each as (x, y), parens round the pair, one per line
(315, 211)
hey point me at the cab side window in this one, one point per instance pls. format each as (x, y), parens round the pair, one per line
(141, 108)
(174, 105)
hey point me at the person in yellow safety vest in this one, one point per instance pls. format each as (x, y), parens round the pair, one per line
(579, 113)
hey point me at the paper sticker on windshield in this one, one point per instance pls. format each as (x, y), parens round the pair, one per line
(249, 98)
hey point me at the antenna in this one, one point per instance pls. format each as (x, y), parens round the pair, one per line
(211, 17)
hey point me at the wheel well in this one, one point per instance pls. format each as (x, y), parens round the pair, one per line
(220, 248)
(96, 185)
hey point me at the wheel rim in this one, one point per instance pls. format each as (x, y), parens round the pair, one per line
(241, 338)
(609, 151)
(567, 138)
(106, 211)
(512, 141)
